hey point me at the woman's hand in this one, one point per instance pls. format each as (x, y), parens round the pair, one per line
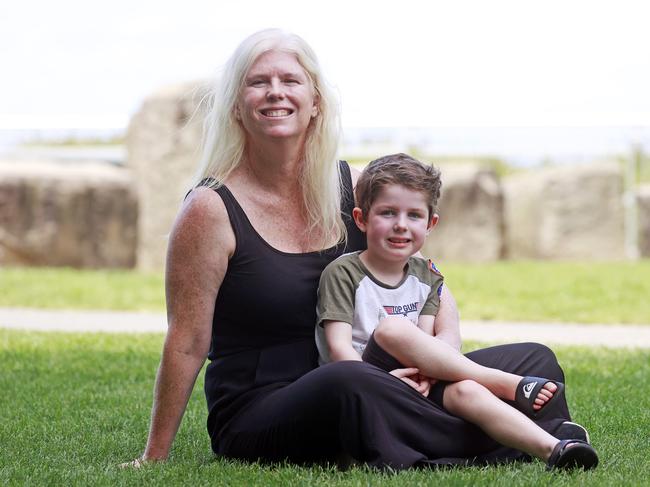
(412, 376)
(137, 463)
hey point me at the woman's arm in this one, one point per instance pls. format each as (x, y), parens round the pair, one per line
(339, 341)
(447, 326)
(200, 245)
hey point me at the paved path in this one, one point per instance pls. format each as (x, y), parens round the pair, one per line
(618, 336)
(83, 321)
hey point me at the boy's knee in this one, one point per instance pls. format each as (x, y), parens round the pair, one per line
(391, 330)
(463, 392)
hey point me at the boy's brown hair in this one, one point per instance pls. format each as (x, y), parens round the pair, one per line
(399, 169)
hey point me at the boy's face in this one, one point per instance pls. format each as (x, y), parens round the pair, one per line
(397, 223)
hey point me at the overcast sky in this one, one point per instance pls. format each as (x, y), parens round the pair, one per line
(88, 64)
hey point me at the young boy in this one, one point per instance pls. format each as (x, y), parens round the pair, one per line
(379, 305)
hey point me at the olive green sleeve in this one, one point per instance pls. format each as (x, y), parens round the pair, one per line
(429, 275)
(336, 292)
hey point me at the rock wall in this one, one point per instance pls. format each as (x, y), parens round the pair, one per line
(471, 216)
(67, 214)
(643, 202)
(569, 212)
(163, 143)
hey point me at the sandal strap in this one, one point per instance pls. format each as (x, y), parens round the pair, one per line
(527, 391)
(588, 459)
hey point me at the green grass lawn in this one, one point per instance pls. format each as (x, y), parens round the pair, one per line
(594, 292)
(601, 292)
(81, 289)
(75, 406)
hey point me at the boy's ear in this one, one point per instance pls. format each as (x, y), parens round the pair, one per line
(433, 222)
(357, 214)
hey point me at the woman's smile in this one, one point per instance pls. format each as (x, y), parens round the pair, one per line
(276, 112)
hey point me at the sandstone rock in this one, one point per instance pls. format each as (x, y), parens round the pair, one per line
(569, 212)
(643, 202)
(471, 216)
(72, 214)
(163, 144)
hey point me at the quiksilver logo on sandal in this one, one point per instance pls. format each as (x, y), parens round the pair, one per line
(528, 388)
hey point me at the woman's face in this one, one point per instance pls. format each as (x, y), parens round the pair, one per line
(277, 99)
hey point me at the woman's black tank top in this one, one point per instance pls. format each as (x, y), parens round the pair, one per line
(265, 313)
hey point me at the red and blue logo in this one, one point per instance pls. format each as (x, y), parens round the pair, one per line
(402, 310)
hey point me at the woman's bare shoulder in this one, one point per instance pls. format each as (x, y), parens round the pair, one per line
(204, 202)
(203, 218)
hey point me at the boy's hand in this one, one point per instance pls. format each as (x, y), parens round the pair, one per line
(425, 385)
(411, 375)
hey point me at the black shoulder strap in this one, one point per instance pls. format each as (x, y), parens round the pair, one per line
(356, 238)
(347, 193)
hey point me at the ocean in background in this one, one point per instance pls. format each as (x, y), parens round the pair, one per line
(516, 146)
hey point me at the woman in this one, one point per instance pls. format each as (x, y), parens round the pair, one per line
(245, 254)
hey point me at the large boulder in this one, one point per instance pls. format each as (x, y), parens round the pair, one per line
(643, 204)
(471, 216)
(67, 214)
(163, 144)
(568, 212)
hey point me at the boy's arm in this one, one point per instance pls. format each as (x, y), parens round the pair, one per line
(426, 323)
(338, 335)
(447, 326)
(446, 319)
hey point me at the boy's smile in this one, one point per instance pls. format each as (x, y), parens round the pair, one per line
(396, 226)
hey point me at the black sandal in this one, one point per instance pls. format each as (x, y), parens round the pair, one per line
(526, 394)
(572, 454)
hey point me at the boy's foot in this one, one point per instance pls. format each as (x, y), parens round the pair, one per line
(572, 431)
(534, 395)
(572, 454)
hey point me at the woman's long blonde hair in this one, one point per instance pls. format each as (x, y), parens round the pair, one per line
(224, 138)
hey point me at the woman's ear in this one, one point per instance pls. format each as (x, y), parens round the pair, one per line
(314, 108)
(357, 214)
